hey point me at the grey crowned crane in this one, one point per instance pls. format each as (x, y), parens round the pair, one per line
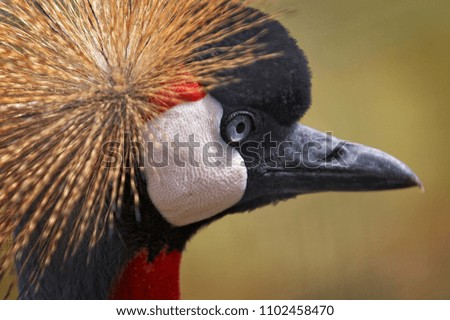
(127, 126)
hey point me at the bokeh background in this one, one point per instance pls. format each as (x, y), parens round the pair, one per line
(381, 77)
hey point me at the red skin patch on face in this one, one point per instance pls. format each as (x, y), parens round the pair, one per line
(179, 93)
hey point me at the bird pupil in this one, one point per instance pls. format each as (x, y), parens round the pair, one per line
(240, 128)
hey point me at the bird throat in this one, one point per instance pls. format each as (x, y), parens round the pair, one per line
(155, 280)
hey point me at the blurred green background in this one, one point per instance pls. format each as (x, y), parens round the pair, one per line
(381, 77)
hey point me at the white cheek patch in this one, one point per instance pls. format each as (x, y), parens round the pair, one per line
(192, 183)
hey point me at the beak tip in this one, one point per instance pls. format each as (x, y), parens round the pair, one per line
(414, 180)
(419, 183)
(392, 171)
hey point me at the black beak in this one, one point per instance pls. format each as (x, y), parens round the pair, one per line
(300, 160)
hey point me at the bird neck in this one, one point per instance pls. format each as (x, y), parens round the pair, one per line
(156, 280)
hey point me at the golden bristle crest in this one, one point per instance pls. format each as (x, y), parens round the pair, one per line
(76, 74)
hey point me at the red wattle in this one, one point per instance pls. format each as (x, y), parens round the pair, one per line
(158, 280)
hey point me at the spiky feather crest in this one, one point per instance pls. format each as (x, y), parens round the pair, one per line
(76, 74)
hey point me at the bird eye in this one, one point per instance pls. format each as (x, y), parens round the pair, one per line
(238, 127)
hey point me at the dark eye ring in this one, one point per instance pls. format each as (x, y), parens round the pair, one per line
(238, 127)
